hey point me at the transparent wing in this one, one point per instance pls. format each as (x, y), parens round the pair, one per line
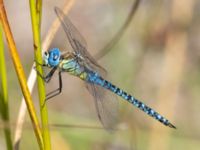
(77, 42)
(106, 104)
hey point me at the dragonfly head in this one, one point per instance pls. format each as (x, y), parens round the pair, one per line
(52, 57)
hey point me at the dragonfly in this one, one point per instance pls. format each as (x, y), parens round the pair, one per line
(81, 64)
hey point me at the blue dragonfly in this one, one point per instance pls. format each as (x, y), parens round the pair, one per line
(81, 64)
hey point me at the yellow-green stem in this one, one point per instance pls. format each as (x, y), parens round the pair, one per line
(4, 94)
(20, 74)
(35, 9)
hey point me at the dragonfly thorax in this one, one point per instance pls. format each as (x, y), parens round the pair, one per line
(52, 57)
(69, 64)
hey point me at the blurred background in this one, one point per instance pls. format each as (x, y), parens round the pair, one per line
(156, 60)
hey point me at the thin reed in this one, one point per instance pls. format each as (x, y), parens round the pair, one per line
(36, 13)
(4, 93)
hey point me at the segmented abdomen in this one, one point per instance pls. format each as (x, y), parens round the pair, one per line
(95, 78)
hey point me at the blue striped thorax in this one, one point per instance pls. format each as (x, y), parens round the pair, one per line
(52, 57)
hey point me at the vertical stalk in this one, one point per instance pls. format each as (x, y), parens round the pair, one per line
(35, 9)
(4, 93)
(20, 74)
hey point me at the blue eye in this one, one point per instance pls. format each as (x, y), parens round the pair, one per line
(54, 57)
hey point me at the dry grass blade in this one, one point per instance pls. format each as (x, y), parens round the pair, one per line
(22, 110)
(55, 26)
(121, 31)
(27, 125)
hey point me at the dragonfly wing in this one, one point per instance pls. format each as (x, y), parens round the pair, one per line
(77, 41)
(106, 105)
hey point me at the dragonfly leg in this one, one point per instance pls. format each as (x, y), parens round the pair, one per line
(47, 77)
(57, 91)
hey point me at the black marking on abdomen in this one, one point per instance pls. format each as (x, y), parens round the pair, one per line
(106, 84)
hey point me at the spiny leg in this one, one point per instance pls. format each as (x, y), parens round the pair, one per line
(49, 75)
(57, 91)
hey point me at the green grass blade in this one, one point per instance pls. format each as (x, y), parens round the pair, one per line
(4, 94)
(35, 9)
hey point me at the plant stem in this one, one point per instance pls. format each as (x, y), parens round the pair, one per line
(4, 93)
(35, 9)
